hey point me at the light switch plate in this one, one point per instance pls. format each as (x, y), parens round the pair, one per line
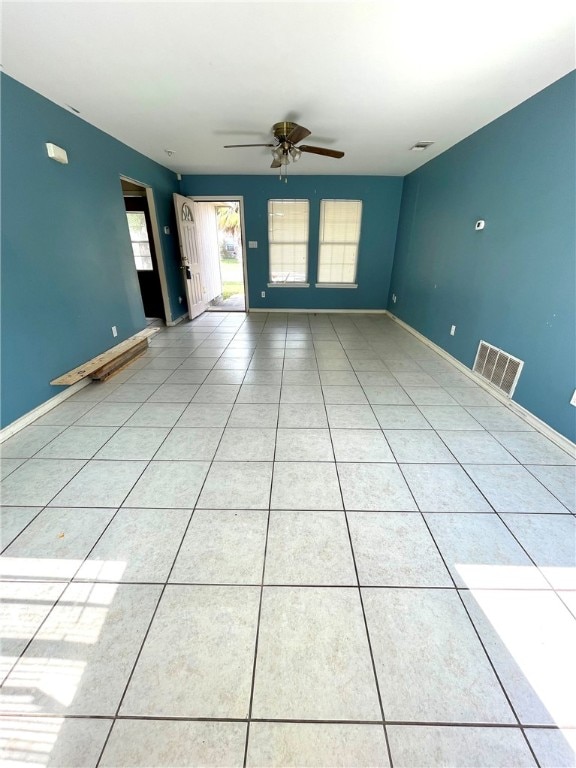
(252, 243)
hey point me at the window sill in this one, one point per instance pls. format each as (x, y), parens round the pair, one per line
(336, 285)
(288, 285)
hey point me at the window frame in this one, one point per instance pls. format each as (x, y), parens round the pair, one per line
(321, 242)
(289, 283)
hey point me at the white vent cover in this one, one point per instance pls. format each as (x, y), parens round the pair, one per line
(420, 146)
(498, 367)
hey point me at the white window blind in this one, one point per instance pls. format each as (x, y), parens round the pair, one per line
(288, 240)
(340, 222)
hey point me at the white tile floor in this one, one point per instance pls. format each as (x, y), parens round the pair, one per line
(287, 540)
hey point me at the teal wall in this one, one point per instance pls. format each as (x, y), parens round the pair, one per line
(514, 283)
(381, 205)
(68, 273)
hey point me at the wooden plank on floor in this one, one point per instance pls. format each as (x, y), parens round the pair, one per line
(120, 361)
(85, 370)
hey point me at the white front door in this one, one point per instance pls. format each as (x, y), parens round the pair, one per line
(191, 262)
(206, 221)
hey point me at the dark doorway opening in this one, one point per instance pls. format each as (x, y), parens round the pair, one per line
(145, 258)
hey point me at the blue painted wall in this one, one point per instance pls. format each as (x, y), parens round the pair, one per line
(514, 283)
(68, 273)
(381, 204)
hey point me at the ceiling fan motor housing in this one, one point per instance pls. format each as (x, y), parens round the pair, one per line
(282, 130)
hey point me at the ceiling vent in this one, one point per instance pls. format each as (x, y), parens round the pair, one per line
(420, 146)
(498, 367)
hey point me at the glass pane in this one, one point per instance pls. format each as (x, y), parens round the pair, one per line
(288, 262)
(144, 263)
(137, 226)
(288, 221)
(340, 221)
(337, 263)
(348, 275)
(141, 249)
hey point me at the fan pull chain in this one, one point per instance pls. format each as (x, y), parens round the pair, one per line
(285, 174)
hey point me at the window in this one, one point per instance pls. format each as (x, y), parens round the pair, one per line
(339, 236)
(288, 241)
(140, 242)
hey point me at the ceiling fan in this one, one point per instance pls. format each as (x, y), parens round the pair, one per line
(286, 136)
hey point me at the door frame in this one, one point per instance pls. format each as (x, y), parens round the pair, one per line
(233, 199)
(157, 240)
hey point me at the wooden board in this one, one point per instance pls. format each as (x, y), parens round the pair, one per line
(119, 362)
(100, 361)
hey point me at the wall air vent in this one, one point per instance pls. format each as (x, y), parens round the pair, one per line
(498, 367)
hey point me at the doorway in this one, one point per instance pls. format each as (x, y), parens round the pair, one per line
(220, 238)
(144, 249)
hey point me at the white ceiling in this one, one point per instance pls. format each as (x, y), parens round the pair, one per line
(369, 78)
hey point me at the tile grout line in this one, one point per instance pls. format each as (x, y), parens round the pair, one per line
(154, 612)
(68, 581)
(28, 524)
(405, 723)
(476, 631)
(481, 641)
(257, 638)
(362, 607)
(142, 644)
(235, 585)
(253, 682)
(538, 568)
(262, 584)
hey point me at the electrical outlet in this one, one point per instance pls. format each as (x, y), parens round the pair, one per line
(394, 298)
(114, 331)
(452, 330)
(252, 243)
(573, 399)
(166, 230)
(263, 294)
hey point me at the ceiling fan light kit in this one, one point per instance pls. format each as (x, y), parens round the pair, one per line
(286, 135)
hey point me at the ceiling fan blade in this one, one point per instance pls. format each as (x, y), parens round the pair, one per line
(231, 146)
(276, 164)
(297, 134)
(321, 151)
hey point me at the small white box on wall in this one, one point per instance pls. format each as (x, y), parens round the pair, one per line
(57, 153)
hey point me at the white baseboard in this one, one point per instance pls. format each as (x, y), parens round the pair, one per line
(178, 320)
(31, 416)
(541, 426)
(324, 311)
